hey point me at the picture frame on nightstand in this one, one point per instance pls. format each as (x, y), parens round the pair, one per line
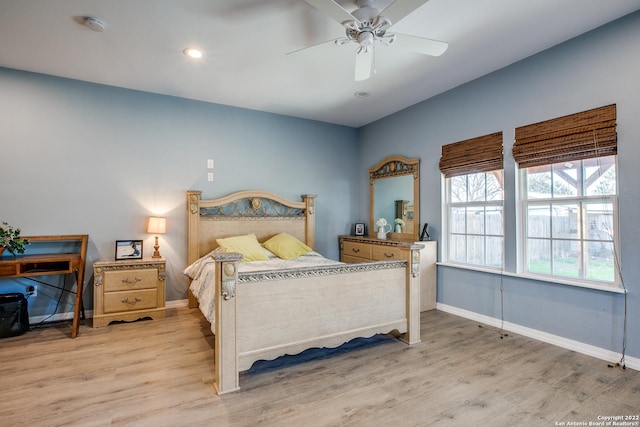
(128, 249)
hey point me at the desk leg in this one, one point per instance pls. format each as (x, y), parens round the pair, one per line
(77, 307)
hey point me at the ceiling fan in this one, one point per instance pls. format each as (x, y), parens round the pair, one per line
(367, 25)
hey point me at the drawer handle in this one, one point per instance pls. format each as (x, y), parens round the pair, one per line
(356, 250)
(135, 280)
(389, 255)
(126, 300)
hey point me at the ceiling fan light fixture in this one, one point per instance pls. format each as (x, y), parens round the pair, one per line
(193, 53)
(365, 39)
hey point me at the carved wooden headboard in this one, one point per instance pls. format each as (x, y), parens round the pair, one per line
(263, 213)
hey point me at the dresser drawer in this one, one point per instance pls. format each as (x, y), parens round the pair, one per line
(386, 253)
(352, 259)
(130, 300)
(125, 280)
(355, 249)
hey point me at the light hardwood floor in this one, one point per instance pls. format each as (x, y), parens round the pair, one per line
(159, 373)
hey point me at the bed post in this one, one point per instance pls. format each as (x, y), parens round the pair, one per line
(193, 215)
(226, 375)
(310, 213)
(413, 295)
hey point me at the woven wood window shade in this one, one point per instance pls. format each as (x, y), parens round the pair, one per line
(577, 136)
(481, 154)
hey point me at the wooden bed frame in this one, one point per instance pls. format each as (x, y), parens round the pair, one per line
(261, 316)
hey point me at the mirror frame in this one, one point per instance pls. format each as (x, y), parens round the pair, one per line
(390, 167)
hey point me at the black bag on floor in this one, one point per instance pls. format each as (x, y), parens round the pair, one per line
(14, 315)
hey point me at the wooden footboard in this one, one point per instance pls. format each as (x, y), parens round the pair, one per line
(270, 314)
(264, 316)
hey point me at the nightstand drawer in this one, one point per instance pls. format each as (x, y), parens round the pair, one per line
(126, 280)
(130, 300)
(386, 253)
(355, 249)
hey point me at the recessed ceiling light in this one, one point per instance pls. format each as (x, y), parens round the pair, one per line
(193, 53)
(361, 94)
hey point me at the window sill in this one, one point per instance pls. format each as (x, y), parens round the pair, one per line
(557, 280)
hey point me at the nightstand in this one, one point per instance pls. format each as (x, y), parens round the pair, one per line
(128, 290)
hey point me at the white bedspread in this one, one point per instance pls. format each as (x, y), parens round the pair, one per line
(202, 273)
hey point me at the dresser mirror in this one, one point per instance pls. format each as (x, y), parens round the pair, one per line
(394, 193)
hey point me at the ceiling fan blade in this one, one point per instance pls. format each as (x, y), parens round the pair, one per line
(333, 10)
(364, 64)
(335, 41)
(420, 44)
(401, 8)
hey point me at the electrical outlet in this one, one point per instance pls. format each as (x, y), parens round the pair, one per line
(210, 164)
(210, 176)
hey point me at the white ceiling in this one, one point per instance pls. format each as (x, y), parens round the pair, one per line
(245, 42)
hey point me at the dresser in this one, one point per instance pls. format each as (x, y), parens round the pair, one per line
(354, 249)
(128, 290)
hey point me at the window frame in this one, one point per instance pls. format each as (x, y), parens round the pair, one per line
(447, 211)
(580, 199)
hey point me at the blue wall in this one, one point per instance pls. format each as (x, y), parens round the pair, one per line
(593, 70)
(81, 158)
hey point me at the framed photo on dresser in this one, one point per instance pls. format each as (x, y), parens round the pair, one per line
(358, 229)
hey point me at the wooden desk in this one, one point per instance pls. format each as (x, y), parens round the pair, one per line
(51, 264)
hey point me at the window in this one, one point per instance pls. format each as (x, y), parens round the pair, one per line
(569, 197)
(474, 216)
(473, 200)
(570, 219)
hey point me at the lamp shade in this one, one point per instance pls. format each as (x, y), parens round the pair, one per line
(157, 225)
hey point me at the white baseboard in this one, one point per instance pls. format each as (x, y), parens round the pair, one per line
(577, 346)
(57, 317)
(33, 320)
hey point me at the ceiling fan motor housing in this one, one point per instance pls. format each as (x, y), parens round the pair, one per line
(369, 26)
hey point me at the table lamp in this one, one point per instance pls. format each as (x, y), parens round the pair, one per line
(156, 225)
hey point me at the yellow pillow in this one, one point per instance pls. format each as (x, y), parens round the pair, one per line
(286, 246)
(247, 245)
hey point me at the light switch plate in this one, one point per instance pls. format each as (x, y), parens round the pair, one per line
(210, 164)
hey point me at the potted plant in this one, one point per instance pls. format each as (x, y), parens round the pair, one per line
(10, 239)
